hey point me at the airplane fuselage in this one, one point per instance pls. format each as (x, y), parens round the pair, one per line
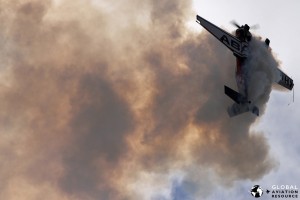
(243, 34)
(240, 76)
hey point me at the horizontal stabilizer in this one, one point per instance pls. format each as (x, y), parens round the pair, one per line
(237, 109)
(235, 96)
(241, 104)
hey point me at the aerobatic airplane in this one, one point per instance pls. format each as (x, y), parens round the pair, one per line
(238, 44)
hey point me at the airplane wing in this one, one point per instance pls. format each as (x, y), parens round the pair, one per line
(238, 47)
(285, 80)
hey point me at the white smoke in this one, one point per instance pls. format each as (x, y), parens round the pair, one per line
(263, 71)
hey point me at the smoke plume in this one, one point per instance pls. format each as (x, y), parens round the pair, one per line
(119, 100)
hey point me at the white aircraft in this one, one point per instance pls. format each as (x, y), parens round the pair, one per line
(238, 44)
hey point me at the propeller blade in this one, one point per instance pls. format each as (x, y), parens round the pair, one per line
(255, 27)
(233, 22)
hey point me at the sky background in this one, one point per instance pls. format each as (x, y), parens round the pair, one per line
(281, 123)
(124, 100)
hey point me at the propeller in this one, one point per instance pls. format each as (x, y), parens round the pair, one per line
(253, 27)
(233, 22)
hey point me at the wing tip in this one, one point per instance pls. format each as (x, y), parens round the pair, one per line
(198, 18)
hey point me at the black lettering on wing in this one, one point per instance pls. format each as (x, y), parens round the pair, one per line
(224, 40)
(235, 45)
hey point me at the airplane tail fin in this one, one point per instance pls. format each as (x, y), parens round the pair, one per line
(237, 109)
(241, 104)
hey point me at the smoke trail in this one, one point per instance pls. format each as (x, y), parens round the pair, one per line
(106, 101)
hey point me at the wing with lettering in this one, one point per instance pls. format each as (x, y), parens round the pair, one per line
(238, 47)
(285, 80)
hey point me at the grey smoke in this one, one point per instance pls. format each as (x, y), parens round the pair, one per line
(90, 106)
